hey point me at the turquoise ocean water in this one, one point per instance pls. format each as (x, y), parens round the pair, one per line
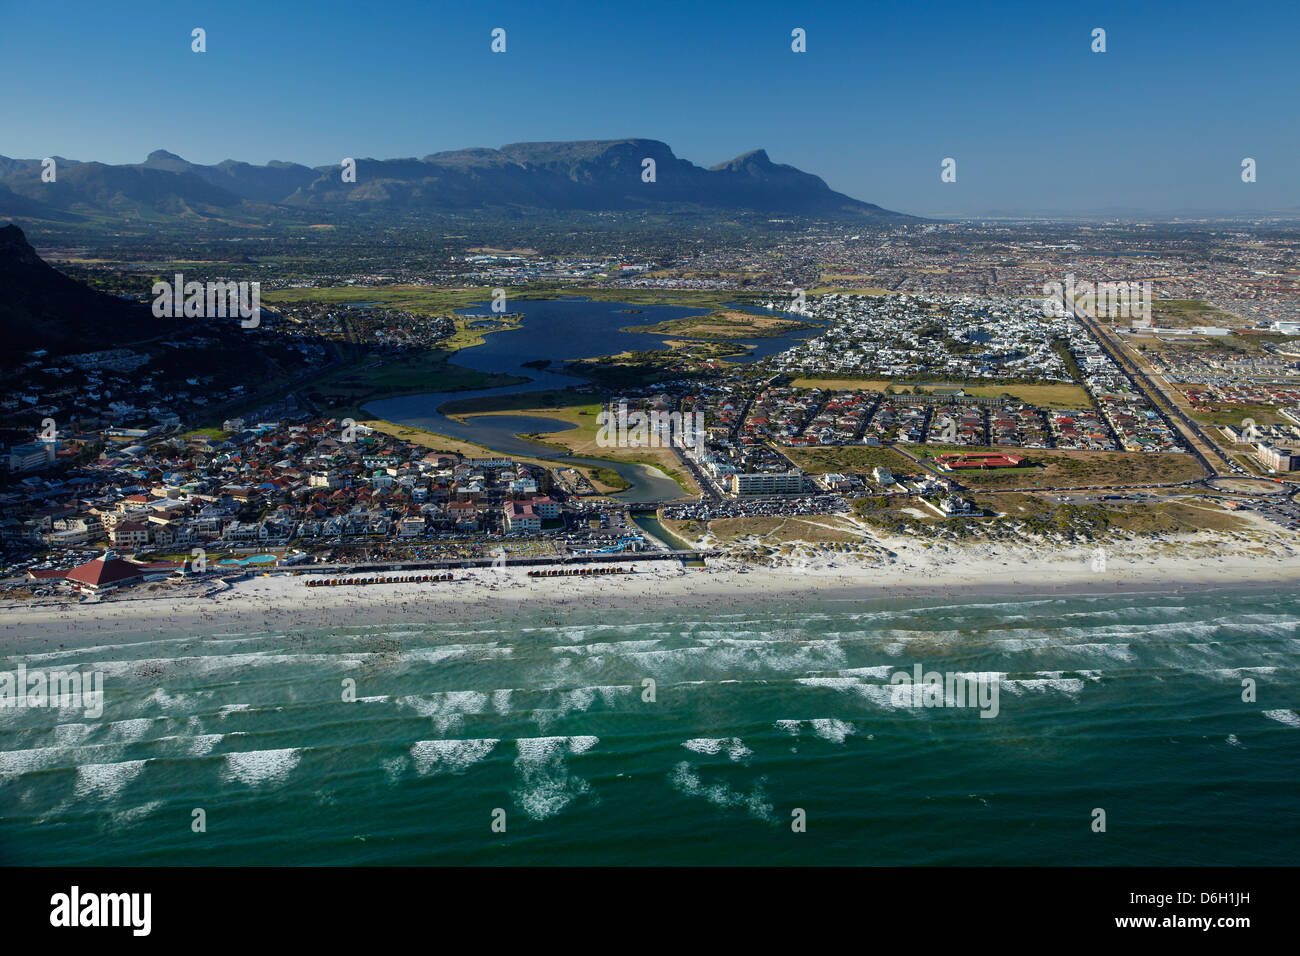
(1131, 704)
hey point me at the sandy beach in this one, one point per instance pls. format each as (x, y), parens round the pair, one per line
(916, 570)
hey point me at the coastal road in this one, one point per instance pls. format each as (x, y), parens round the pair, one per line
(1205, 450)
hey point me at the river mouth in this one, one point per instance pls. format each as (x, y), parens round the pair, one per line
(652, 526)
(502, 433)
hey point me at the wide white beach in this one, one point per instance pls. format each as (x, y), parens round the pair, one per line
(282, 602)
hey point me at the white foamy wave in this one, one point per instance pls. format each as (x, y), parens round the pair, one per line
(881, 671)
(606, 648)
(1238, 671)
(828, 728)
(1287, 717)
(836, 731)
(17, 762)
(166, 700)
(704, 745)
(68, 734)
(105, 780)
(129, 731)
(209, 664)
(882, 695)
(450, 756)
(577, 700)
(134, 814)
(1064, 685)
(545, 785)
(203, 744)
(198, 745)
(889, 696)
(81, 652)
(834, 683)
(732, 655)
(534, 749)
(1092, 649)
(448, 652)
(447, 710)
(256, 767)
(736, 750)
(446, 702)
(685, 779)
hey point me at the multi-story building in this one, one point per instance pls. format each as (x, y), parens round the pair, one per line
(129, 534)
(520, 516)
(32, 457)
(768, 483)
(1277, 459)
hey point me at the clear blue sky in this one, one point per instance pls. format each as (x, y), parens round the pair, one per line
(1012, 91)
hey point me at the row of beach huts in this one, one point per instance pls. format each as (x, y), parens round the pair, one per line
(578, 572)
(399, 579)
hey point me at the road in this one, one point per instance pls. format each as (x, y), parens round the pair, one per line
(1205, 450)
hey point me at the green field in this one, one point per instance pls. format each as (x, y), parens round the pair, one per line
(1077, 469)
(1233, 415)
(1186, 313)
(839, 459)
(216, 434)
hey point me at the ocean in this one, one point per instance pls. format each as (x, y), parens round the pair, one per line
(769, 737)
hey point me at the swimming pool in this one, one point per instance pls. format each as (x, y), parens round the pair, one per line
(251, 559)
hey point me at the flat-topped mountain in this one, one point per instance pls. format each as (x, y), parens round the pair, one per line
(588, 175)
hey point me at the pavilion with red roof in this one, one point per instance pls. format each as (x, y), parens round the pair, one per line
(105, 572)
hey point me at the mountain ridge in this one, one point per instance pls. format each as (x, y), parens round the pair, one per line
(559, 176)
(41, 308)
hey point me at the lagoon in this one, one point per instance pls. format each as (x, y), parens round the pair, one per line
(558, 330)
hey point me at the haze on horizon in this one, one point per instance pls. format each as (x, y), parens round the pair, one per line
(1040, 125)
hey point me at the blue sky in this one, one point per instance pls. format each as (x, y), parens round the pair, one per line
(1036, 121)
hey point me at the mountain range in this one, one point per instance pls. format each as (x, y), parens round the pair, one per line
(588, 176)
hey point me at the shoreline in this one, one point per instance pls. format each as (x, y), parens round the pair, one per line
(280, 603)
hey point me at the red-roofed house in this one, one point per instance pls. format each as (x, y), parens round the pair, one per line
(544, 506)
(520, 516)
(954, 461)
